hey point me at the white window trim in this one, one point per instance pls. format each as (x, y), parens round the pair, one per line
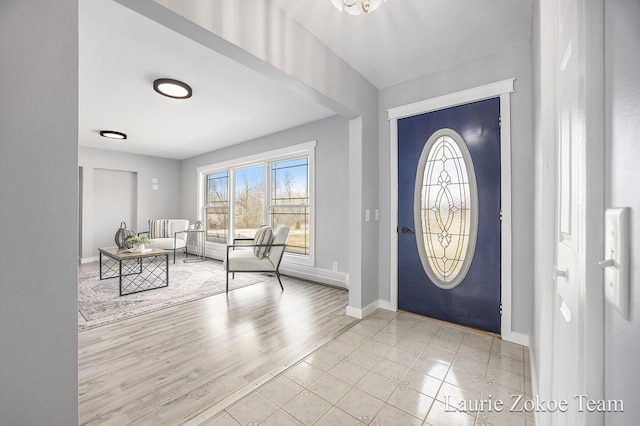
(218, 250)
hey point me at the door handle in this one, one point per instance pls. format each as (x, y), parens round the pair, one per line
(557, 273)
(406, 230)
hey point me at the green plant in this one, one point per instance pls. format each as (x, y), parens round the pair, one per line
(198, 222)
(138, 240)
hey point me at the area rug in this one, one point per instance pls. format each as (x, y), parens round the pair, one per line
(99, 303)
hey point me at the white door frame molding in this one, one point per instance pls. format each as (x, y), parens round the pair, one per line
(501, 89)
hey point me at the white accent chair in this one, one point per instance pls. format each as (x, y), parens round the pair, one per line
(168, 234)
(243, 258)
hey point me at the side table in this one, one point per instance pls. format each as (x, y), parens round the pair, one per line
(200, 245)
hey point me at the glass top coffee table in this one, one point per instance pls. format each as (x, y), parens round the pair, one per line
(135, 271)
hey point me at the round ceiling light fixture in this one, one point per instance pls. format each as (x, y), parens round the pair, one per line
(112, 134)
(172, 88)
(357, 7)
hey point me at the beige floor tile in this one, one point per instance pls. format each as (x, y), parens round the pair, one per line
(348, 372)
(364, 359)
(304, 374)
(498, 376)
(471, 365)
(455, 397)
(339, 348)
(503, 418)
(323, 360)
(508, 349)
(421, 382)
(330, 388)
(391, 416)
(402, 357)
(222, 419)
(411, 401)
(335, 417)
(377, 348)
(360, 405)
(409, 344)
(432, 368)
(439, 354)
(507, 363)
(390, 369)
(439, 416)
(479, 354)
(307, 408)
(254, 408)
(473, 382)
(281, 418)
(377, 385)
(280, 390)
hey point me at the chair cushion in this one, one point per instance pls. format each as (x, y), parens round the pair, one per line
(246, 260)
(264, 235)
(159, 228)
(167, 243)
(279, 237)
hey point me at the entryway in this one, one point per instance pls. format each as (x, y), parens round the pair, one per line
(500, 90)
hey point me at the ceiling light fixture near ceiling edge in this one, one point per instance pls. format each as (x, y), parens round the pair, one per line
(357, 7)
(172, 88)
(112, 134)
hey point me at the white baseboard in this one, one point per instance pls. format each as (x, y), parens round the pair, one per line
(324, 276)
(361, 313)
(84, 260)
(513, 337)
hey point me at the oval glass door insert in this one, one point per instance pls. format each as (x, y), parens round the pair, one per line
(446, 208)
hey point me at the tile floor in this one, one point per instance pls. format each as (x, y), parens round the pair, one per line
(395, 369)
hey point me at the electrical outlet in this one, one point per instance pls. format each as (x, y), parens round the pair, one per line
(335, 266)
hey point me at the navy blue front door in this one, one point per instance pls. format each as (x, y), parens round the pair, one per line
(475, 300)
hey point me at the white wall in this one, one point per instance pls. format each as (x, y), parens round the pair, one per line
(622, 336)
(514, 63)
(164, 203)
(331, 179)
(38, 203)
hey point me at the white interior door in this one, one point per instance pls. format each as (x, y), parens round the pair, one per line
(574, 280)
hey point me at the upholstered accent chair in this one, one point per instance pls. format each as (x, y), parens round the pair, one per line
(168, 234)
(260, 254)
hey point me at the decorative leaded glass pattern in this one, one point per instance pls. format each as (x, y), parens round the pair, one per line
(445, 210)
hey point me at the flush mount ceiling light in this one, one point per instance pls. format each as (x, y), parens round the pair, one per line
(112, 134)
(172, 88)
(357, 7)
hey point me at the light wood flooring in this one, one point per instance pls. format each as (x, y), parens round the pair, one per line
(169, 366)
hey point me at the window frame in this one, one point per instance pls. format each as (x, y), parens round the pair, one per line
(306, 149)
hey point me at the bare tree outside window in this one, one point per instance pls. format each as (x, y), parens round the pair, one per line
(290, 201)
(249, 201)
(217, 207)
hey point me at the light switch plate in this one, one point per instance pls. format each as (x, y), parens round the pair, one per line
(616, 255)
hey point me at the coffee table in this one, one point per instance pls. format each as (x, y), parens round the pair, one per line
(136, 272)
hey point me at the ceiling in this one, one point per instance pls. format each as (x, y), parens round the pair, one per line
(122, 52)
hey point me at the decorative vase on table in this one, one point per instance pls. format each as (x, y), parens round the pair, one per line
(122, 234)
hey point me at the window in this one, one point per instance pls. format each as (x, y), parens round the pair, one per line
(249, 209)
(445, 210)
(274, 188)
(217, 207)
(290, 201)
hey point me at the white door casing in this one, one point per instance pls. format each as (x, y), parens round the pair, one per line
(501, 89)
